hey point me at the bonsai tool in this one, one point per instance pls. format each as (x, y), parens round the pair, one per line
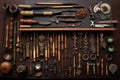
(54, 3)
(108, 22)
(31, 21)
(88, 68)
(53, 7)
(66, 21)
(59, 50)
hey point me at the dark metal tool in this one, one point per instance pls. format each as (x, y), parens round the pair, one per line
(42, 7)
(31, 21)
(66, 16)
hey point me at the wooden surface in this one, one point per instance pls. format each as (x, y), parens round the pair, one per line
(115, 33)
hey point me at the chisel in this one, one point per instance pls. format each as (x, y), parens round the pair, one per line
(31, 21)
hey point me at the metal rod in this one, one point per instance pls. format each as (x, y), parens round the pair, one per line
(7, 29)
(58, 47)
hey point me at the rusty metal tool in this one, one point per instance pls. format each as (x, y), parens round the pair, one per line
(65, 51)
(98, 67)
(62, 41)
(48, 45)
(53, 44)
(31, 21)
(66, 21)
(37, 46)
(11, 33)
(31, 45)
(108, 21)
(34, 51)
(53, 7)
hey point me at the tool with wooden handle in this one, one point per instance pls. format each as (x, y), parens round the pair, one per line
(31, 21)
(43, 7)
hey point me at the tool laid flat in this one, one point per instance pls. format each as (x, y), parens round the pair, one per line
(53, 3)
(31, 21)
(54, 7)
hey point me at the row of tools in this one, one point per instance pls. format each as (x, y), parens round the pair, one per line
(62, 14)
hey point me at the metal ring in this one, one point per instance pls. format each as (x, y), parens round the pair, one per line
(13, 8)
(108, 57)
(5, 6)
(85, 57)
(93, 56)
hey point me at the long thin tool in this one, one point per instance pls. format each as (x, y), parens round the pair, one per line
(7, 30)
(54, 7)
(54, 3)
(31, 21)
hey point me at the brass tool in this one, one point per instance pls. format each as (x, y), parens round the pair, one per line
(46, 53)
(31, 45)
(65, 51)
(53, 44)
(34, 52)
(37, 46)
(97, 44)
(59, 52)
(53, 7)
(78, 72)
(74, 66)
(62, 41)
(102, 67)
(56, 45)
(48, 45)
(6, 39)
(66, 21)
(88, 68)
(31, 21)
(54, 3)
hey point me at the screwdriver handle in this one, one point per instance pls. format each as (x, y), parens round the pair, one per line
(27, 21)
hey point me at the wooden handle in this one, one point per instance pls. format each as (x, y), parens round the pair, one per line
(27, 21)
(25, 26)
(25, 6)
(47, 3)
(27, 13)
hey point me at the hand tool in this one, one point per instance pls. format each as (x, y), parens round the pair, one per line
(62, 41)
(11, 33)
(102, 41)
(106, 67)
(88, 68)
(108, 22)
(74, 40)
(92, 41)
(54, 3)
(48, 45)
(27, 49)
(85, 46)
(59, 52)
(37, 45)
(111, 49)
(97, 44)
(6, 67)
(66, 16)
(98, 25)
(53, 7)
(34, 13)
(85, 57)
(31, 45)
(78, 72)
(66, 21)
(46, 53)
(31, 21)
(102, 67)
(74, 66)
(34, 52)
(14, 42)
(53, 45)
(113, 68)
(93, 57)
(108, 57)
(21, 69)
(6, 37)
(110, 40)
(96, 8)
(65, 49)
